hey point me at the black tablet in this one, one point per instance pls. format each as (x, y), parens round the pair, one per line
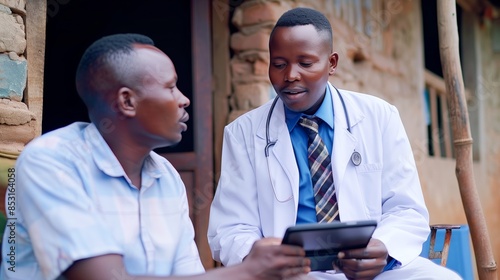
(322, 242)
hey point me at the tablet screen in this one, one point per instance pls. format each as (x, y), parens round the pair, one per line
(336, 236)
(322, 242)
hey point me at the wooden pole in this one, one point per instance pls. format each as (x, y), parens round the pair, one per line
(459, 117)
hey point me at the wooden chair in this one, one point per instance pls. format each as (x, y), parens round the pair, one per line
(443, 254)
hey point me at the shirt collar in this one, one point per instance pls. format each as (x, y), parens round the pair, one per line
(324, 112)
(106, 160)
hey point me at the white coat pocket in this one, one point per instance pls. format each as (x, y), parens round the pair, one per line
(370, 178)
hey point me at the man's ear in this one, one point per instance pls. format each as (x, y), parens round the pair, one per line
(127, 102)
(334, 59)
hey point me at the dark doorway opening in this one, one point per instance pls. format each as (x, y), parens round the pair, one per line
(73, 25)
(431, 36)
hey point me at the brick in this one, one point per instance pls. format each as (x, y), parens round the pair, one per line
(14, 137)
(17, 126)
(4, 9)
(385, 64)
(260, 68)
(258, 60)
(242, 71)
(259, 12)
(12, 34)
(12, 78)
(14, 113)
(18, 6)
(256, 41)
(240, 68)
(249, 96)
(254, 55)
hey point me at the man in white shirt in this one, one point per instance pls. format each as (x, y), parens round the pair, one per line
(93, 201)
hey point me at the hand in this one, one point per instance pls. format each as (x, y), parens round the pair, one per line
(363, 264)
(268, 259)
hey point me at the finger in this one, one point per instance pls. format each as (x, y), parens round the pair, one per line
(355, 254)
(296, 262)
(360, 265)
(294, 271)
(361, 268)
(289, 262)
(376, 249)
(278, 250)
(292, 250)
(362, 254)
(337, 265)
(268, 241)
(351, 264)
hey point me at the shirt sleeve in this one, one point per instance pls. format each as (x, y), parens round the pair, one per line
(62, 222)
(404, 225)
(234, 223)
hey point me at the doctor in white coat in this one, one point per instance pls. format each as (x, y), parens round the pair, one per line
(375, 177)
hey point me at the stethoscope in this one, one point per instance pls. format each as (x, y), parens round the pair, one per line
(355, 157)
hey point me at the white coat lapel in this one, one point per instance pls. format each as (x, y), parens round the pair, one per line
(282, 164)
(344, 143)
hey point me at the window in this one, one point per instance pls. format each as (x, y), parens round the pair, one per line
(438, 126)
(439, 130)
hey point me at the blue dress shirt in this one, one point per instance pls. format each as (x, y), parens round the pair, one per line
(307, 206)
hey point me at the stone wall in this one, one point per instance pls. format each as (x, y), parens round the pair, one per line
(250, 83)
(17, 123)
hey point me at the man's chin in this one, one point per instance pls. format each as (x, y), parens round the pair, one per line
(169, 143)
(295, 108)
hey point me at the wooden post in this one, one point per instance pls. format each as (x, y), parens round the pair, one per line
(459, 117)
(35, 54)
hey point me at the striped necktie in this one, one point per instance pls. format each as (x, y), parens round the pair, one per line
(321, 172)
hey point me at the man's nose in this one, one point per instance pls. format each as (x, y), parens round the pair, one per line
(183, 100)
(292, 74)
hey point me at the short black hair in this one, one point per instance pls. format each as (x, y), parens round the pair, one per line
(305, 16)
(107, 55)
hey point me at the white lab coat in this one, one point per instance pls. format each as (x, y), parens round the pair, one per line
(384, 187)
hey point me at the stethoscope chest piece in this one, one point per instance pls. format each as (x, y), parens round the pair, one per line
(356, 158)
